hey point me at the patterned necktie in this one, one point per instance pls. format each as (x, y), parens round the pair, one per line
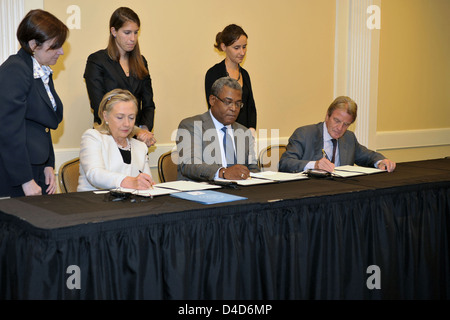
(228, 148)
(334, 141)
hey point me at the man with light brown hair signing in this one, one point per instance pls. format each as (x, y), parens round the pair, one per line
(328, 144)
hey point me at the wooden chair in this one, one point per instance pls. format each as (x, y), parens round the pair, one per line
(167, 166)
(68, 175)
(265, 157)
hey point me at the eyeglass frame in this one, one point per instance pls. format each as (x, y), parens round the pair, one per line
(228, 104)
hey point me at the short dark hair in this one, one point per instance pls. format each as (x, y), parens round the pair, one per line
(222, 82)
(41, 26)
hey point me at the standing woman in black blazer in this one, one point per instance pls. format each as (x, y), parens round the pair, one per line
(233, 41)
(121, 66)
(30, 107)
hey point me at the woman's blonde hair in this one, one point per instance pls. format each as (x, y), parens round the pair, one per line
(108, 102)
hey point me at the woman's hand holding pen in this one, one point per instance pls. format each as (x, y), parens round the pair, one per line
(143, 181)
(324, 163)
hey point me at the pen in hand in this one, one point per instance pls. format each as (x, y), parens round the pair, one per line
(325, 154)
(151, 186)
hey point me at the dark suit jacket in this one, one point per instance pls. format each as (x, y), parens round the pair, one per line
(199, 149)
(27, 116)
(102, 74)
(306, 144)
(247, 115)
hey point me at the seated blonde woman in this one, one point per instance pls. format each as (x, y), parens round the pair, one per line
(109, 155)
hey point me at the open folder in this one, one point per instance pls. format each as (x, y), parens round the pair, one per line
(170, 187)
(147, 192)
(245, 182)
(351, 171)
(278, 176)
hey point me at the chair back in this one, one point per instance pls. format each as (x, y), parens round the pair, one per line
(268, 159)
(167, 166)
(68, 175)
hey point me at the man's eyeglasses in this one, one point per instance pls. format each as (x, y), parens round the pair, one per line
(227, 103)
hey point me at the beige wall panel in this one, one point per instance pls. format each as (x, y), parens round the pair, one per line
(416, 154)
(414, 66)
(290, 58)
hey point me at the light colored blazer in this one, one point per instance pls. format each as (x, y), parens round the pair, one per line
(198, 157)
(306, 145)
(101, 163)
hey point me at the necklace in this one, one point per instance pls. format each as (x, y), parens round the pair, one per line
(126, 148)
(239, 78)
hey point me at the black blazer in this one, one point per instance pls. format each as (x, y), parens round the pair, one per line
(247, 115)
(102, 74)
(26, 119)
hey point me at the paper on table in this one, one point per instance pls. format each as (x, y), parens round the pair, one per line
(350, 171)
(148, 192)
(278, 176)
(183, 185)
(247, 182)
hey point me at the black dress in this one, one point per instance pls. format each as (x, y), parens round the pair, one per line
(247, 115)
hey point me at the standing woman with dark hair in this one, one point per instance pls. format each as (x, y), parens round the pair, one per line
(233, 41)
(30, 107)
(121, 66)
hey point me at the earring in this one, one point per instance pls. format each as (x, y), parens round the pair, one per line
(107, 123)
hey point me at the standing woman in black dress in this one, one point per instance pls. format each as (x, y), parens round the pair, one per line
(121, 66)
(233, 41)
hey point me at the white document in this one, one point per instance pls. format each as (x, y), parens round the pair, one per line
(278, 176)
(247, 182)
(148, 192)
(182, 185)
(350, 171)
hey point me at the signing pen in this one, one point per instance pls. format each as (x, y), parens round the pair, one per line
(325, 154)
(151, 187)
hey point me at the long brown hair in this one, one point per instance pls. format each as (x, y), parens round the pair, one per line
(136, 61)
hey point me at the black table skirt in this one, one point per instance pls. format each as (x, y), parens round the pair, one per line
(308, 239)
